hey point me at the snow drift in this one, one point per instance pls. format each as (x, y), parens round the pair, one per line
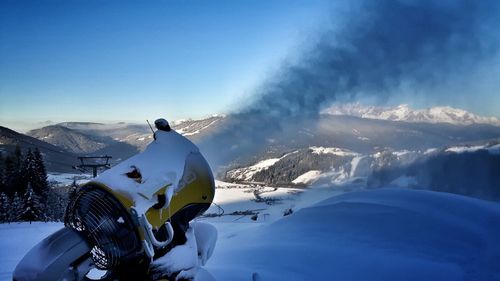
(383, 234)
(386, 234)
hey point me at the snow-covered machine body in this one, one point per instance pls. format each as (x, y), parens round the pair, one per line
(128, 216)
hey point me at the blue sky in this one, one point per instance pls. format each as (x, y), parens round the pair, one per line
(111, 61)
(128, 61)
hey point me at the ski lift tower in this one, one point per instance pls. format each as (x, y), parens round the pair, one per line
(94, 162)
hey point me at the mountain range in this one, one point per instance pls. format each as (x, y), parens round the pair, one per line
(403, 112)
(346, 143)
(469, 169)
(62, 143)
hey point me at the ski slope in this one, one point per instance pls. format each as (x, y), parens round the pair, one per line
(384, 234)
(387, 234)
(16, 239)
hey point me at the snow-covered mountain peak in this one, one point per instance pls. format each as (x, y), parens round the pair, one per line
(403, 112)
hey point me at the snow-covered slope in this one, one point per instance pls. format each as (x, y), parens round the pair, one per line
(440, 114)
(490, 148)
(120, 140)
(195, 127)
(16, 239)
(326, 165)
(387, 234)
(383, 234)
(247, 173)
(468, 168)
(137, 134)
(332, 150)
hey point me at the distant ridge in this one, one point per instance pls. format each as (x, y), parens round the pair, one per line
(66, 124)
(403, 112)
(57, 159)
(69, 139)
(120, 140)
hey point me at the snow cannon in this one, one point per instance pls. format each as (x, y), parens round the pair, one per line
(119, 223)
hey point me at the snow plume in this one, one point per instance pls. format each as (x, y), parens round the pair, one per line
(373, 49)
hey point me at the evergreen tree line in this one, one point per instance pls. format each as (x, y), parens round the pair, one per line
(25, 194)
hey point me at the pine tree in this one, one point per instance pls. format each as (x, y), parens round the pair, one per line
(3, 186)
(72, 191)
(18, 156)
(9, 175)
(56, 206)
(2, 174)
(18, 165)
(18, 184)
(34, 208)
(34, 173)
(28, 171)
(4, 208)
(16, 208)
(40, 184)
(13, 180)
(13, 173)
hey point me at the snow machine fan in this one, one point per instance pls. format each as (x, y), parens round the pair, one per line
(128, 216)
(109, 229)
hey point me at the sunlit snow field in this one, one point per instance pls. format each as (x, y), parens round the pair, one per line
(386, 234)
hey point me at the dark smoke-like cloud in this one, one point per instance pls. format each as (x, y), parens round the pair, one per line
(379, 46)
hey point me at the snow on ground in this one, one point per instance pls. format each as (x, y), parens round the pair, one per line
(438, 114)
(401, 153)
(461, 149)
(246, 174)
(333, 150)
(492, 149)
(198, 131)
(430, 151)
(307, 177)
(387, 234)
(16, 239)
(383, 234)
(240, 202)
(68, 178)
(191, 127)
(405, 181)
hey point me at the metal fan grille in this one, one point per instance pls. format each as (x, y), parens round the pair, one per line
(106, 224)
